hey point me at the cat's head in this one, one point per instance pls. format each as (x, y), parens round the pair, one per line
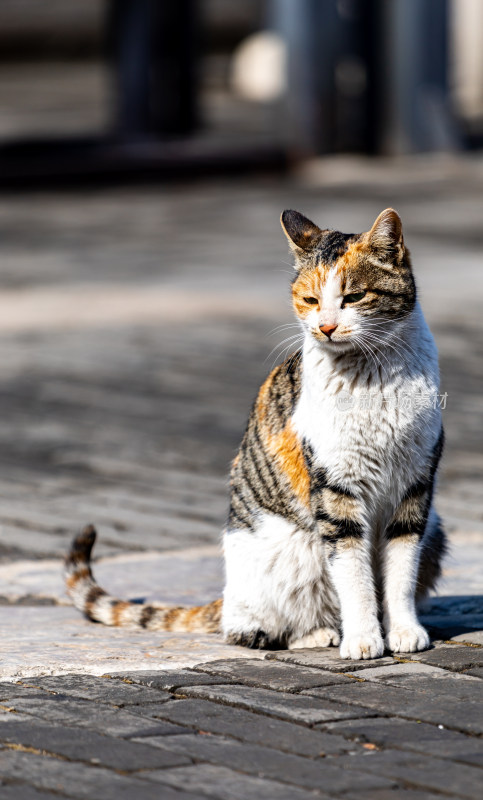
(350, 287)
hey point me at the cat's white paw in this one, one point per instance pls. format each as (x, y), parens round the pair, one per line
(364, 645)
(407, 639)
(322, 637)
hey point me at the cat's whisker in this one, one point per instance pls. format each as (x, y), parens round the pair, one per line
(285, 326)
(285, 345)
(395, 344)
(372, 338)
(368, 352)
(376, 354)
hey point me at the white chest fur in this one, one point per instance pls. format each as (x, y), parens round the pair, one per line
(372, 429)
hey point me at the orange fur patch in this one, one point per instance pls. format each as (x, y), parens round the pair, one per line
(350, 258)
(79, 575)
(286, 447)
(171, 618)
(308, 284)
(117, 612)
(262, 399)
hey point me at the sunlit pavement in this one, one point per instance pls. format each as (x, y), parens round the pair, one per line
(136, 326)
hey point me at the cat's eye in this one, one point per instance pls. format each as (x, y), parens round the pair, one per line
(354, 298)
(312, 301)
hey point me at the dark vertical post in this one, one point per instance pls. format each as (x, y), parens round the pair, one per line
(309, 29)
(417, 114)
(153, 47)
(331, 48)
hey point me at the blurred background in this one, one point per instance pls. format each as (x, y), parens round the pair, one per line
(146, 152)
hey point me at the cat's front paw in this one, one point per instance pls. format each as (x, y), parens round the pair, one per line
(322, 637)
(364, 645)
(407, 639)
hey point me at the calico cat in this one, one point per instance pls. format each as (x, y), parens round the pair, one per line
(332, 535)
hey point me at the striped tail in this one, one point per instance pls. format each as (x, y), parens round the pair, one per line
(99, 606)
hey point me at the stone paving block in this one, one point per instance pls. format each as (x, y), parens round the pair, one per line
(319, 773)
(254, 728)
(278, 704)
(451, 685)
(226, 784)
(422, 772)
(57, 640)
(397, 794)
(270, 674)
(85, 745)
(454, 657)
(69, 711)
(103, 690)
(327, 659)
(19, 791)
(475, 672)
(474, 636)
(399, 670)
(9, 690)
(80, 780)
(411, 704)
(409, 735)
(169, 681)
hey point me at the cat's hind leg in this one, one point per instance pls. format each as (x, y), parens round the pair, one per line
(277, 587)
(321, 637)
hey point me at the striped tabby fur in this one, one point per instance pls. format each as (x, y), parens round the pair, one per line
(332, 531)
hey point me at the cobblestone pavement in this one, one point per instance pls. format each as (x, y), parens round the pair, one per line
(291, 726)
(135, 328)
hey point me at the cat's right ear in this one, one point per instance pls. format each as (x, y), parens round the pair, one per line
(302, 234)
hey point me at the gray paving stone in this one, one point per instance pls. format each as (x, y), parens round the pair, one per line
(254, 728)
(393, 672)
(115, 722)
(226, 784)
(80, 780)
(408, 735)
(278, 704)
(475, 672)
(327, 659)
(424, 772)
(10, 690)
(397, 794)
(85, 745)
(103, 690)
(267, 763)
(19, 791)
(452, 685)
(455, 657)
(473, 636)
(270, 674)
(169, 681)
(397, 701)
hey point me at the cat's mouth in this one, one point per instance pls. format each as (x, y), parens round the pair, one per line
(337, 340)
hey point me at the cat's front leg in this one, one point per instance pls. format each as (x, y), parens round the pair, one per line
(348, 549)
(351, 572)
(404, 633)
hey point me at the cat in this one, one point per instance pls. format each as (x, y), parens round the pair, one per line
(332, 536)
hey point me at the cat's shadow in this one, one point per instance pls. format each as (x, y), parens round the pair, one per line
(444, 616)
(453, 615)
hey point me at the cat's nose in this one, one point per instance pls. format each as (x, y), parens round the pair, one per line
(327, 329)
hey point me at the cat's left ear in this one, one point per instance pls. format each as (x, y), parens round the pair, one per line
(301, 233)
(386, 234)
